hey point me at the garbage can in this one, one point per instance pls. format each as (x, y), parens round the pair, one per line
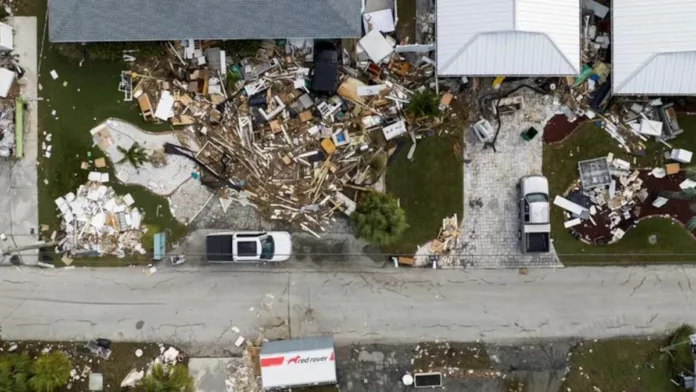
(529, 134)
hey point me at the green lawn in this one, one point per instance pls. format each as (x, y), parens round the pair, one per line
(406, 26)
(628, 364)
(561, 169)
(430, 188)
(90, 96)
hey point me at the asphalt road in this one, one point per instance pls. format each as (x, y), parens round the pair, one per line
(200, 309)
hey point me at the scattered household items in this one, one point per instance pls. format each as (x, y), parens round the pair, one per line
(680, 155)
(7, 129)
(483, 130)
(611, 197)
(96, 382)
(248, 246)
(99, 348)
(7, 78)
(96, 221)
(535, 225)
(6, 38)
(594, 173)
(297, 363)
(177, 260)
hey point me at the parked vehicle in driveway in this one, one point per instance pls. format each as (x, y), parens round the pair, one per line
(248, 246)
(535, 225)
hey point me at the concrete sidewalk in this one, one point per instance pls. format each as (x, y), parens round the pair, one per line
(19, 195)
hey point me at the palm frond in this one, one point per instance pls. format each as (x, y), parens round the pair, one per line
(691, 224)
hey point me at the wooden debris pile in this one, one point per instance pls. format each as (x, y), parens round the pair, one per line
(448, 237)
(294, 155)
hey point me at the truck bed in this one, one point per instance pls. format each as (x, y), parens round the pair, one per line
(218, 248)
(538, 242)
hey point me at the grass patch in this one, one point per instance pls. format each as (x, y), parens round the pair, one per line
(430, 188)
(406, 26)
(89, 97)
(674, 244)
(121, 361)
(635, 365)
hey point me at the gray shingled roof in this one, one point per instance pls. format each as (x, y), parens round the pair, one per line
(283, 346)
(163, 20)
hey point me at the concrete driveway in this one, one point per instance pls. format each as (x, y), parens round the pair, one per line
(201, 309)
(19, 196)
(489, 228)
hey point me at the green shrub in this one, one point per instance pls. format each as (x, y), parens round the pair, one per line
(50, 372)
(378, 218)
(14, 373)
(680, 358)
(168, 378)
(424, 104)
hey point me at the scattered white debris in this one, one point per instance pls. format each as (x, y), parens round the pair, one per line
(170, 356)
(54, 74)
(239, 341)
(132, 378)
(138, 353)
(407, 379)
(96, 220)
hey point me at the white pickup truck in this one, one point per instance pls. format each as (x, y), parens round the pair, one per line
(248, 246)
(535, 226)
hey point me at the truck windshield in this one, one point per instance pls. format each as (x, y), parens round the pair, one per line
(537, 197)
(267, 247)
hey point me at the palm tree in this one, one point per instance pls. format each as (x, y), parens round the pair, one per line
(51, 371)
(686, 194)
(135, 155)
(168, 378)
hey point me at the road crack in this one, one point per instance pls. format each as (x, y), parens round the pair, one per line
(639, 285)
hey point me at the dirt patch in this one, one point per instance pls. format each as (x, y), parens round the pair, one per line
(114, 369)
(453, 359)
(675, 209)
(559, 128)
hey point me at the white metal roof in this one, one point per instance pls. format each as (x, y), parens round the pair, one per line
(654, 47)
(508, 37)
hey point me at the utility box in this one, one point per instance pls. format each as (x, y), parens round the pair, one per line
(6, 38)
(427, 380)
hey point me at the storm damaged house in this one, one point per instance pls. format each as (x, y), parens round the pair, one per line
(508, 37)
(162, 20)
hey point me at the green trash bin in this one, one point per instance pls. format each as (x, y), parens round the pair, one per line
(529, 134)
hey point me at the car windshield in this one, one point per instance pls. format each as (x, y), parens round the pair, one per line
(267, 247)
(536, 197)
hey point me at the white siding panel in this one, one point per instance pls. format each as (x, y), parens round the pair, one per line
(654, 45)
(508, 37)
